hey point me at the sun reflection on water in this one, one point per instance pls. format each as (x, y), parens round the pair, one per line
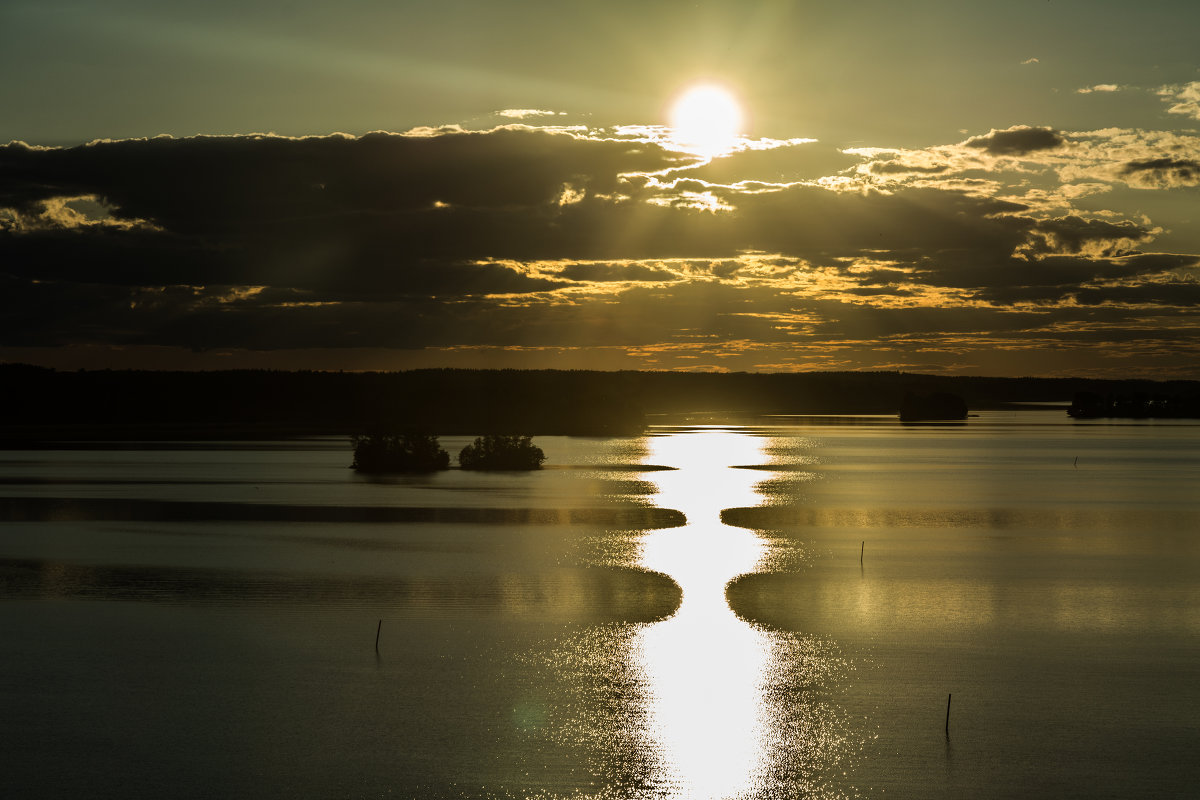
(704, 667)
(705, 703)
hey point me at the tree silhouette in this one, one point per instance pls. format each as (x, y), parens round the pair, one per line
(400, 452)
(501, 452)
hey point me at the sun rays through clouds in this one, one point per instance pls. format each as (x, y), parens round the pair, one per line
(534, 236)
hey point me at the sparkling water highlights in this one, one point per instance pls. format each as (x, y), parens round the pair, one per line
(684, 614)
(704, 666)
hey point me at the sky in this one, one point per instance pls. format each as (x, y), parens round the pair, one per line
(939, 187)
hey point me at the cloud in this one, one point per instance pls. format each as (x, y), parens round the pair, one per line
(1184, 99)
(1099, 87)
(584, 241)
(524, 113)
(1053, 179)
(1016, 141)
(901, 168)
(1030, 61)
(1162, 173)
(66, 213)
(223, 183)
(1074, 235)
(601, 272)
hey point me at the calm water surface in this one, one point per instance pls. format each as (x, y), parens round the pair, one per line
(781, 613)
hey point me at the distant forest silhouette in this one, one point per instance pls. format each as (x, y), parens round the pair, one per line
(43, 403)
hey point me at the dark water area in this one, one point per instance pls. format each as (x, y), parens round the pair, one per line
(700, 612)
(51, 509)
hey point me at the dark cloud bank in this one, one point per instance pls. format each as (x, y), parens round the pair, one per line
(567, 241)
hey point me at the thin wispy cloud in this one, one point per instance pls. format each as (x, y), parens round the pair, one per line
(526, 113)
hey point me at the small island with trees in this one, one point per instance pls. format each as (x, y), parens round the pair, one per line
(500, 452)
(398, 452)
(420, 452)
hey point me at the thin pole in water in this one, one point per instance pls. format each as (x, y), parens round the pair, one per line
(378, 628)
(861, 551)
(948, 715)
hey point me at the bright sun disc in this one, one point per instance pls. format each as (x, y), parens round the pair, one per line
(706, 120)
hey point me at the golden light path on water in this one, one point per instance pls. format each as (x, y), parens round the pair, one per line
(704, 667)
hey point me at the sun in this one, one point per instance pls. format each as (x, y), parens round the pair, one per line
(706, 120)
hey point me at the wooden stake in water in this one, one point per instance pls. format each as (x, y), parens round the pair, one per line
(862, 550)
(378, 628)
(948, 714)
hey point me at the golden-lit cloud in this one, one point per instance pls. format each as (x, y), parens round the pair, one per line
(1162, 173)
(1019, 140)
(67, 213)
(1184, 99)
(525, 113)
(523, 245)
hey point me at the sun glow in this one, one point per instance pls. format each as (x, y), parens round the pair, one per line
(706, 120)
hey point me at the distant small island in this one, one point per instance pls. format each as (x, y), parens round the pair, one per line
(500, 452)
(420, 452)
(402, 452)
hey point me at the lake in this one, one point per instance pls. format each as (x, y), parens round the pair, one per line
(779, 610)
